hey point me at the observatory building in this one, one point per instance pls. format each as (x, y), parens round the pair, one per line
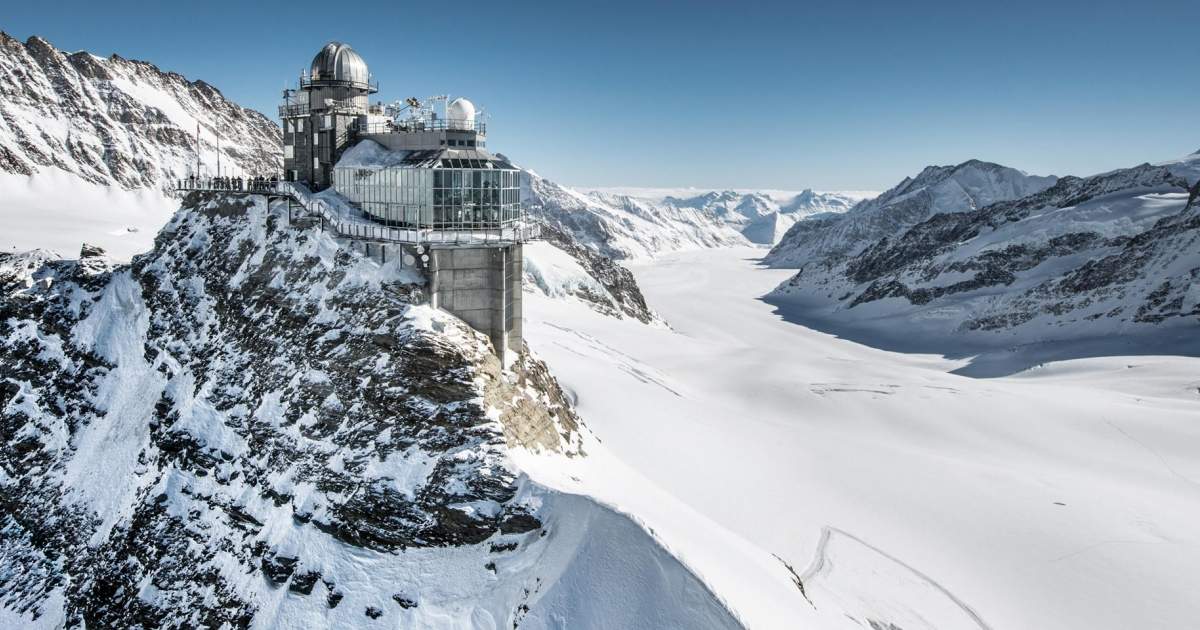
(420, 166)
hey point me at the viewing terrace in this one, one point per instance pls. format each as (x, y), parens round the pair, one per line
(411, 225)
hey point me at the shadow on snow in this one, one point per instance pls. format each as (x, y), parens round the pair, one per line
(986, 360)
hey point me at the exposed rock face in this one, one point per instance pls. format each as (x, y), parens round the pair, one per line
(1118, 252)
(234, 412)
(119, 122)
(621, 294)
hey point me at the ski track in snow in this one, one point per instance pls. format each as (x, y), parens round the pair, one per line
(624, 362)
(822, 565)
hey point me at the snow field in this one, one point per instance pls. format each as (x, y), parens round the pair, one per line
(1062, 499)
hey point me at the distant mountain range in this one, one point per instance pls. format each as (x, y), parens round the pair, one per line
(632, 223)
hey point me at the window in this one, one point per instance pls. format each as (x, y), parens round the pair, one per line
(300, 125)
(289, 152)
(470, 143)
(316, 139)
(290, 126)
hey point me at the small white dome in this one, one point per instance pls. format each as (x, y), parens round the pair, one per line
(460, 114)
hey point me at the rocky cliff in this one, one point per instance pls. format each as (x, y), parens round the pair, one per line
(254, 425)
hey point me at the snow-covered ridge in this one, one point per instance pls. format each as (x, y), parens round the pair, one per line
(937, 189)
(119, 122)
(253, 425)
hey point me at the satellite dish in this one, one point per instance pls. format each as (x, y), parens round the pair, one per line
(420, 249)
(424, 257)
(409, 260)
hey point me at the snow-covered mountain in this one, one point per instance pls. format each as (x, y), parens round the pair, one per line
(89, 146)
(117, 121)
(640, 223)
(1006, 259)
(254, 425)
(937, 189)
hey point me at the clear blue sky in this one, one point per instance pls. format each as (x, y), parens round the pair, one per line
(830, 95)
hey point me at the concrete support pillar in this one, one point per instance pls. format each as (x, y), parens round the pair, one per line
(482, 286)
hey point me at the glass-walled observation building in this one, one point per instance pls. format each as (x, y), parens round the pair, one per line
(444, 188)
(430, 169)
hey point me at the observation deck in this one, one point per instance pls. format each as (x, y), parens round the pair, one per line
(403, 224)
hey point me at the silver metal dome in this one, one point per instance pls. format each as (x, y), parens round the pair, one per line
(337, 63)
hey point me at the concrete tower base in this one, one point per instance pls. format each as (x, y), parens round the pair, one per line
(482, 286)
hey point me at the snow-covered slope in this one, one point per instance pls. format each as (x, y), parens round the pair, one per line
(254, 426)
(89, 146)
(1115, 253)
(561, 268)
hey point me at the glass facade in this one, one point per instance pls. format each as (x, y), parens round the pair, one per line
(476, 196)
(446, 198)
(395, 195)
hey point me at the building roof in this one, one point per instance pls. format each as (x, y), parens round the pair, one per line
(338, 63)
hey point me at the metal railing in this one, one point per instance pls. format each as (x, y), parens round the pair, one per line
(344, 106)
(368, 85)
(420, 231)
(436, 124)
